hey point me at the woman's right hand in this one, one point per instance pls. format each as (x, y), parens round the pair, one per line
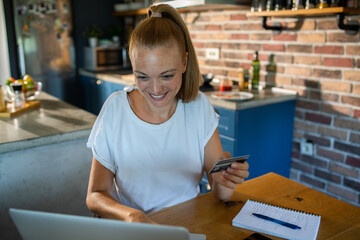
(138, 216)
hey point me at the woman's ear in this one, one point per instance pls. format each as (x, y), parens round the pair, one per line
(185, 61)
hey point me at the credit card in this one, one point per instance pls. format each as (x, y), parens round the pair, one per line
(222, 165)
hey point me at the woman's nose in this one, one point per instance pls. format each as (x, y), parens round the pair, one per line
(157, 86)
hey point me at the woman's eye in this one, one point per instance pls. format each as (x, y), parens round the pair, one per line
(168, 76)
(142, 78)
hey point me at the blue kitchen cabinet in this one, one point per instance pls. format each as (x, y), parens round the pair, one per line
(227, 128)
(263, 132)
(91, 94)
(96, 91)
(106, 88)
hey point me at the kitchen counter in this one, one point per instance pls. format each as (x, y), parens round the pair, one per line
(44, 161)
(124, 77)
(55, 121)
(261, 97)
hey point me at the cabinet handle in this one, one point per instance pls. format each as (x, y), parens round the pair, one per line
(98, 82)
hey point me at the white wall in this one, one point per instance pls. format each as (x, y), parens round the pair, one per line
(4, 56)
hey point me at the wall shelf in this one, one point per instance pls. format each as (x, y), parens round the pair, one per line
(202, 8)
(351, 27)
(142, 11)
(304, 12)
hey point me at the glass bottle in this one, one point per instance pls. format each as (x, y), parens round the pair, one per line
(288, 4)
(298, 4)
(254, 5)
(246, 79)
(271, 67)
(334, 3)
(270, 72)
(278, 5)
(269, 5)
(255, 71)
(322, 4)
(309, 4)
(241, 79)
(19, 97)
(262, 5)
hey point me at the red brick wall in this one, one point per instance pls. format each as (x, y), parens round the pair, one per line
(317, 60)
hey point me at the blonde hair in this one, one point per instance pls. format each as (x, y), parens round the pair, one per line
(164, 27)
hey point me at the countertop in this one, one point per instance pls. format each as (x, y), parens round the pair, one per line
(55, 121)
(261, 97)
(124, 77)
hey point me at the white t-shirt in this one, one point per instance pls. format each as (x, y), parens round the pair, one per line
(155, 166)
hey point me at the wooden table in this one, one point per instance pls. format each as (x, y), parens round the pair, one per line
(209, 216)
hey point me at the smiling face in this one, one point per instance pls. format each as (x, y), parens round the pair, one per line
(158, 73)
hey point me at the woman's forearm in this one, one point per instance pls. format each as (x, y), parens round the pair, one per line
(104, 205)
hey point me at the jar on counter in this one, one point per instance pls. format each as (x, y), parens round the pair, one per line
(225, 85)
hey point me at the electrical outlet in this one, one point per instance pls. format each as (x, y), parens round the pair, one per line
(307, 148)
(212, 53)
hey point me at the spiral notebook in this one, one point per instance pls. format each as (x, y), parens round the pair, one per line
(309, 223)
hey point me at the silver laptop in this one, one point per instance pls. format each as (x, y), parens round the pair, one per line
(34, 225)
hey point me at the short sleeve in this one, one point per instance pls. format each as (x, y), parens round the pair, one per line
(100, 138)
(210, 118)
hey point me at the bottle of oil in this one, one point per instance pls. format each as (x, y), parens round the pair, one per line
(246, 79)
(241, 79)
(255, 71)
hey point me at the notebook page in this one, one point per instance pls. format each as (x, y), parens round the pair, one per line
(309, 223)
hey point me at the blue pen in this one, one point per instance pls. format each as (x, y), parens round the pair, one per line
(289, 225)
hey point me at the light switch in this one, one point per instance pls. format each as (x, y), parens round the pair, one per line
(212, 53)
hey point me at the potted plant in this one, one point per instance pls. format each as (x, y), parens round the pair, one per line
(115, 32)
(93, 33)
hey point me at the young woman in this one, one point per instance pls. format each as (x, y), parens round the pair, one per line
(151, 144)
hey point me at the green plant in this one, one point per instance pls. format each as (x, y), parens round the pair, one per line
(93, 31)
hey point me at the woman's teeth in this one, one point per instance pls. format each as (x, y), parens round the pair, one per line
(157, 96)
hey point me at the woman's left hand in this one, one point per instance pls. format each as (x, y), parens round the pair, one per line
(233, 175)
